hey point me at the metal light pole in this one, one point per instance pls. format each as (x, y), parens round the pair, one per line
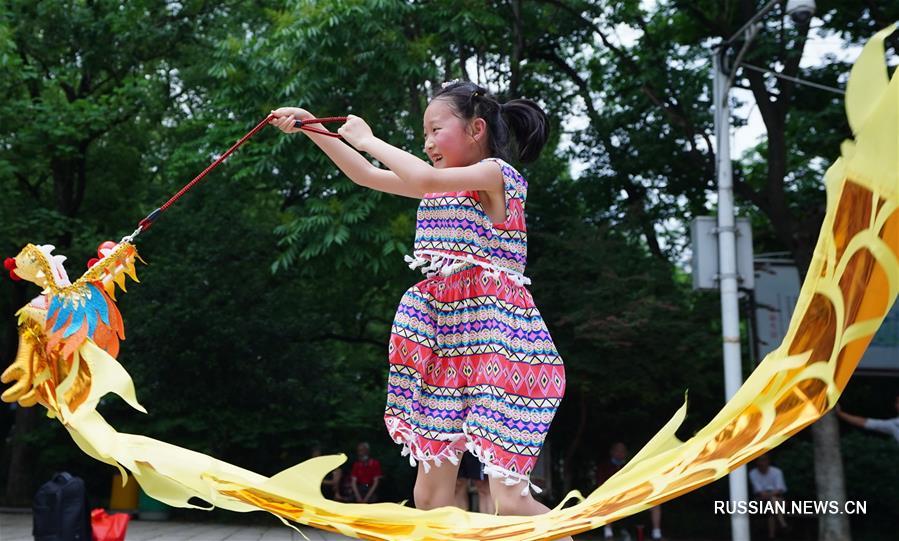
(800, 11)
(727, 252)
(727, 275)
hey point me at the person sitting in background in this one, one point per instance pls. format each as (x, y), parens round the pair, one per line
(606, 469)
(366, 475)
(331, 483)
(768, 484)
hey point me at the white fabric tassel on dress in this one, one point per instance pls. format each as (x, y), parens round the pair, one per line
(447, 264)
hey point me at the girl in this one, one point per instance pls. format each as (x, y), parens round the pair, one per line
(472, 365)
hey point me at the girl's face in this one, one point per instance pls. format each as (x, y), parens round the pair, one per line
(449, 140)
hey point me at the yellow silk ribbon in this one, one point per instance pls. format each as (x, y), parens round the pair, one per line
(850, 286)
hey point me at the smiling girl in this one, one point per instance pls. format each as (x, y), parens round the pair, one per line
(472, 364)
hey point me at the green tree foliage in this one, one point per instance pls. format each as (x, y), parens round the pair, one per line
(633, 338)
(261, 323)
(84, 85)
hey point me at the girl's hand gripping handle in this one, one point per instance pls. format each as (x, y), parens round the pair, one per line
(285, 118)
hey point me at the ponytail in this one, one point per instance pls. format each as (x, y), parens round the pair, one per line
(518, 125)
(529, 127)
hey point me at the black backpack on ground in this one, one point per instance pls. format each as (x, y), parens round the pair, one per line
(60, 510)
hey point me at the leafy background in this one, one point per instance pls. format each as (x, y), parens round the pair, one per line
(260, 325)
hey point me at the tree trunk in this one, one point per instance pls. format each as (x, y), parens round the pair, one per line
(19, 484)
(19, 480)
(517, 48)
(69, 182)
(575, 442)
(800, 237)
(829, 481)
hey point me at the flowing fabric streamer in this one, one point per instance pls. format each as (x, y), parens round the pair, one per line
(69, 340)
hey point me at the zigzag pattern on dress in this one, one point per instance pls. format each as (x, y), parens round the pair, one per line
(472, 364)
(497, 338)
(537, 352)
(479, 410)
(457, 223)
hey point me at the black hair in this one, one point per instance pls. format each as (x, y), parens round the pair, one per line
(523, 119)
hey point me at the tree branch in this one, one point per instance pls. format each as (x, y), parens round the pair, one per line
(636, 194)
(672, 110)
(30, 188)
(791, 68)
(713, 27)
(517, 48)
(580, 82)
(762, 98)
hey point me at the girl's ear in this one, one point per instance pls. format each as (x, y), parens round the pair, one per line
(478, 129)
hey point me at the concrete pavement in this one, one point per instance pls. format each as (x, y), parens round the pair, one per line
(17, 527)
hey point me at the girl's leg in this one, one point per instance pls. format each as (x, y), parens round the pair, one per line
(462, 493)
(437, 488)
(485, 500)
(509, 500)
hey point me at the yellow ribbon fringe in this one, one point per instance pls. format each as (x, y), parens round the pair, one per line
(851, 284)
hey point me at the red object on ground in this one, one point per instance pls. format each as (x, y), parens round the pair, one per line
(108, 527)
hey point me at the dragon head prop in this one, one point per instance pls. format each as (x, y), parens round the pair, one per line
(68, 327)
(38, 264)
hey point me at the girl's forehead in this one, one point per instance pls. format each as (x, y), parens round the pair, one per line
(438, 110)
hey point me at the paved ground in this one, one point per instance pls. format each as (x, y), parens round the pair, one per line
(17, 527)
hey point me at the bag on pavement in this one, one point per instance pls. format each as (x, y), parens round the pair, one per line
(60, 510)
(109, 527)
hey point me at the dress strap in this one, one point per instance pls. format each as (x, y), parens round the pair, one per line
(514, 184)
(446, 264)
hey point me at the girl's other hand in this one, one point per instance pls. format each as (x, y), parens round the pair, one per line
(285, 117)
(356, 132)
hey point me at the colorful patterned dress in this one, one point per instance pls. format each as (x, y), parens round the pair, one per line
(472, 364)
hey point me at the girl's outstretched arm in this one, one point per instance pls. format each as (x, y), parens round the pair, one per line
(353, 164)
(483, 176)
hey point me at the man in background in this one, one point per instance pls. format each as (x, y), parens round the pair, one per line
(606, 469)
(768, 484)
(366, 475)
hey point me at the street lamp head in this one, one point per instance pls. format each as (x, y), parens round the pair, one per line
(800, 10)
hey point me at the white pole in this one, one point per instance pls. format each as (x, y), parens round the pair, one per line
(727, 271)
